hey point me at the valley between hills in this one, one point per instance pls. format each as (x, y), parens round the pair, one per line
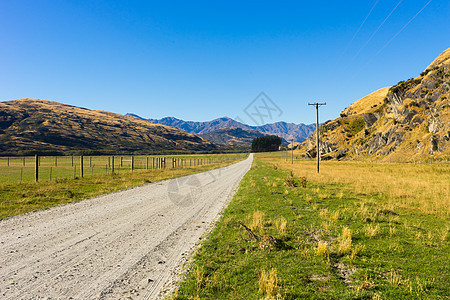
(408, 120)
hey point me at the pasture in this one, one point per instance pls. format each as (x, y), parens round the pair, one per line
(356, 230)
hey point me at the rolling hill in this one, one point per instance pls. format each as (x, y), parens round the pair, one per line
(410, 120)
(33, 125)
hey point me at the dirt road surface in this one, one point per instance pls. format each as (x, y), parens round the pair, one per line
(124, 245)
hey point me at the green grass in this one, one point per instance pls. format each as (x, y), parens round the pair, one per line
(14, 170)
(337, 244)
(29, 196)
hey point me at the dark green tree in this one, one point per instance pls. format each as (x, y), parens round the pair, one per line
(266, 143)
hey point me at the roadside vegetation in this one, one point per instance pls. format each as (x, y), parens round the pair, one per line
(354, 231)
(21, 198)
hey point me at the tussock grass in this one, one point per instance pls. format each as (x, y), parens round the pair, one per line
(281, 225)
(268, 284)
(257, 222)
(322, 249)
(373, 230)
(345, 241)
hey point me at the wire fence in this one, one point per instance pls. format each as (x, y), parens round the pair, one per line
(14, 170)
(288, 155)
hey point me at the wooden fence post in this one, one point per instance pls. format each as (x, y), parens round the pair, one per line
(81, 166)
(112, 165)
(132, 163)
(36, 168)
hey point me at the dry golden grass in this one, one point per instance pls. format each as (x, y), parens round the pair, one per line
(257, 222)
(281, 225)
(268, 284)
(322, 249)
(372, 230)
(422, 186)
(345, 241)
(367, 103)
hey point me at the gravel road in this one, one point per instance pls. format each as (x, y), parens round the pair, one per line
(124, 245)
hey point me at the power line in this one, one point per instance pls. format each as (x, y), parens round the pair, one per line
(354, 36)
(373, 34)
(360, 26)
(403, 28)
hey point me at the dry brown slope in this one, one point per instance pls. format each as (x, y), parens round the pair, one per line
(410, 120)
(28, 125)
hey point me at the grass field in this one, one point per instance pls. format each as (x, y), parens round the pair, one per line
(67, 186)
(15, 170)
(354, 231)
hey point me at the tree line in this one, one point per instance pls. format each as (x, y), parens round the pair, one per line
(266, 143)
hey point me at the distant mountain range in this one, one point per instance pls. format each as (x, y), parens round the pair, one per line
(224, 130)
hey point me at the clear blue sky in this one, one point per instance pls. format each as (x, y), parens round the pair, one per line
(199, 60)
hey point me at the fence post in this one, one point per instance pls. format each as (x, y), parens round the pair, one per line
(121, 160)
(132, 163)
(90, 161)
(36, 168)
(21, 171)
(146, 165)
(56, 161)
(112, 165)
(8, 160)
(23, 161)
(81, 166)
(72, 160)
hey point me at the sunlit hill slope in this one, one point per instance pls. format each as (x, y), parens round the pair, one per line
(410, 120)
(31, 125)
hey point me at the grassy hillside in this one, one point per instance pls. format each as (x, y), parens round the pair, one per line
(30, 125)
(409, 120)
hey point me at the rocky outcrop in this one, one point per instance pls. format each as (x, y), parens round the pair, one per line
(410, 119)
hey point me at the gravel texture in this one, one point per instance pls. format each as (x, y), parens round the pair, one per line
(124, 245)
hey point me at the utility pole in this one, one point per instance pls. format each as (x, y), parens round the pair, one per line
(317, 130)
(292, 152)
